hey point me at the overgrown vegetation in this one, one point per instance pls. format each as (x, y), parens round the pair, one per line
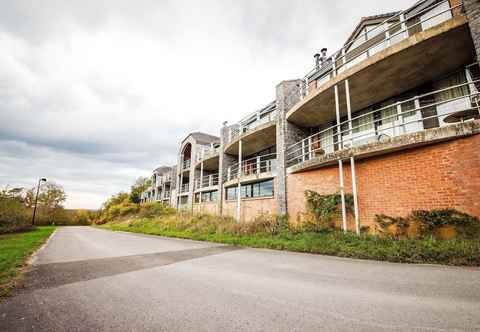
(325, 209)
(14, 251)
(267, 232)
(315, 235)
(424, 223)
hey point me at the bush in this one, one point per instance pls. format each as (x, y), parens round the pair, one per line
(14, 215)
(325, 209)
(430, 221)
(155, 209)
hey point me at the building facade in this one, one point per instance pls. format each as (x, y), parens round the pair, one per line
(391, 118)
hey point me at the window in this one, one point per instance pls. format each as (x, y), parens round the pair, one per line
(231, 193)
(209, 196)
(251, 190)
(197, 198)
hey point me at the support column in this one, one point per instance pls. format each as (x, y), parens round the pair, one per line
(472, 10)
(239, 196)
(288, 93)
(355, 197)
(340, 162)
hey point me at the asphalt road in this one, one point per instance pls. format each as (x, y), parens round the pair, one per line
(87, 279)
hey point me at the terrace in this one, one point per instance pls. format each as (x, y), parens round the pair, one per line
(255, 128)
(454, 104)
(253, 168)
(407, 49)
(206, 181)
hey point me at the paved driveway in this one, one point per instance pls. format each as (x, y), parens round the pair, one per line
(87, 279)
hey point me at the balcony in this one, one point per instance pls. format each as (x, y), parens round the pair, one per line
(441, 108)
(253, 167)
(184, 188)
(207, 181)
(404, 51)
(259, 123)
(205, 153)
(186, 164)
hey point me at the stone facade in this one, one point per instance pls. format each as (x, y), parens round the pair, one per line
(472, 10)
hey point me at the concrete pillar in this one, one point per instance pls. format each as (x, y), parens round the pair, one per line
(288, 93)
(472, 10)
(221, 165)
(239, 176)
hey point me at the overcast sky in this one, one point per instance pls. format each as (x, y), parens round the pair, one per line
(94, 94)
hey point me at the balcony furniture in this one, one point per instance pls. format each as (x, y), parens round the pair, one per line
(462, 116)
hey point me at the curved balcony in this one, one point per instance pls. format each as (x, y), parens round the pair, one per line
(257, 132)
(210, 157)
(426, 119)
(404, 51)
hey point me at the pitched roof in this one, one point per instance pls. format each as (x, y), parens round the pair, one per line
(204, 138)
(366, 19)
(162, 169)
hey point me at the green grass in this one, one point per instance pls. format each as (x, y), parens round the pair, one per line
(14, 251)
(334, 243)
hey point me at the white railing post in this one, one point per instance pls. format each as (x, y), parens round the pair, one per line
(337, 112)
(310, 154)
(402, 119)
(259, 165)
(349, 111)
(239, 187)
(229, 170)
(210, 180)
(403, 25)
(303, 150)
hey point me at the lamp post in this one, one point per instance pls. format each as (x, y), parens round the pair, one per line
(36, 199)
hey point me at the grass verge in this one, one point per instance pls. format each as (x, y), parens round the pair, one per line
(432, 251)
(15, 249)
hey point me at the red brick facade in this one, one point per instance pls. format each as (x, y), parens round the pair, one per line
(444, 175)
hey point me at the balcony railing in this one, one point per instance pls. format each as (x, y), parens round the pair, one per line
(186, 164)
(184, 188)
(252, 121)
(207, 152)
(207, 181)
(456, 103)
(257, 165)
(389, 32)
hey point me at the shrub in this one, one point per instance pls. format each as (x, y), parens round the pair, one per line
(325, 209)
(155, 209)
(430, 221)
(14, 215)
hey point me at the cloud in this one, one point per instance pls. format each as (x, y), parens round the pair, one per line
(96, 93)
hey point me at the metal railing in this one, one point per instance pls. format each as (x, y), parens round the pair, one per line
(184, 188)
(407, 116)
(252, 121)
(257, 165)
(207, 152)
(186, 164)
(389, 32)
(206, 181)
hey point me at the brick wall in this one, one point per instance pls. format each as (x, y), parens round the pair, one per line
(443, 175)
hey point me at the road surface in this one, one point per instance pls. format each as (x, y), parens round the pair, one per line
(87, 279)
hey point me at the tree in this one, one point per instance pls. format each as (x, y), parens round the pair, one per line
(138, 187)
(50, 203)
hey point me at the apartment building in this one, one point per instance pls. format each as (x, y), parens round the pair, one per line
(391, 118)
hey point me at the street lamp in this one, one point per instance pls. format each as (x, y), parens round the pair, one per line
(36, 199)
